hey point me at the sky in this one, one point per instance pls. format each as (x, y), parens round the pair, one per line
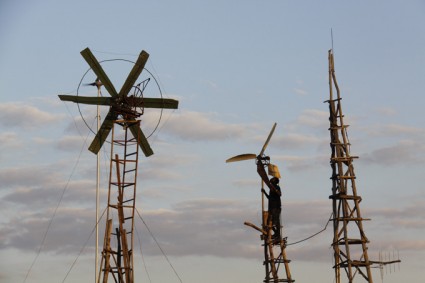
(236, 68)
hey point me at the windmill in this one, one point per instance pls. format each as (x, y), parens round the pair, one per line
(125, 110)
(274, 248)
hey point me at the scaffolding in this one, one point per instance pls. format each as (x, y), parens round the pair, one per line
(117, 255)
(275, 262)
(349, 240)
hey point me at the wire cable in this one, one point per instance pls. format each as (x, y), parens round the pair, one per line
(162, 251)
(84, 247)
(315, 234)
(54, 213)
(143, 257)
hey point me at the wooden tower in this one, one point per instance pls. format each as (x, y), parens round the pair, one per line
(275, 262)
(349, 241)
(117, 254)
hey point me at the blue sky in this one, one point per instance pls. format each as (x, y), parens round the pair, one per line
(236, 68)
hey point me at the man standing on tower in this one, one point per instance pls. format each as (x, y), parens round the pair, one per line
(274, 206)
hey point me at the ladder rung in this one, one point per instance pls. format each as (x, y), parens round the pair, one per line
(352, 242)
(124, 185)
(128, 200)
(130, 217)
(278, 280)
(282, 260)
(356, 263)
(338, 127)
(130, 154)
(128, 171)
(351, 219)
(339, 196)
(346, 177)
(345, 158)
(128, 185)
(340, 143)
(332, 100)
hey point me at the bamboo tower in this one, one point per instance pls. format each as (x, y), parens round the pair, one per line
(349, 241)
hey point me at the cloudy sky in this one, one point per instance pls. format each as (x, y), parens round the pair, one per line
(236, 67)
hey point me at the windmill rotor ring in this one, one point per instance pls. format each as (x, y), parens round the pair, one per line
(126, 104)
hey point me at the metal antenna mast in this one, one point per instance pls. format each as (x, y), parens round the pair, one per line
(349, 241)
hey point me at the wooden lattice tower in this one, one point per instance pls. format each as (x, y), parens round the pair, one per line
(123, 119)
(275, 262)
(350, 241)
(117, 255)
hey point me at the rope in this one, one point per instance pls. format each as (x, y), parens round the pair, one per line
(315, 234)
(162, 251)
(143, 258)
(83, 248)
(54, 213)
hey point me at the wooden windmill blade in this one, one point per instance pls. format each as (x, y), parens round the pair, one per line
(98, 70)
(268, 140)
(135, 73)
(103, 132)
(141, 139)
(247, 156)
(87, 99)
(147, 102)
(241, 157)
(120, 101)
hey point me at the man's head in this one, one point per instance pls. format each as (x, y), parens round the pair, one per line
(274, 181)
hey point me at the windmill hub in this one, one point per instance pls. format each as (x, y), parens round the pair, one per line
(122, 103)
(128, 107)
(265, 160)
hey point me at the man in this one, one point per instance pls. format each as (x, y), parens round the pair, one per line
(274, 206)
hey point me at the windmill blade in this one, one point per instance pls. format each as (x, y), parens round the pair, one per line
(86, 99)
(268, 140)
(147, 102)
(242, 157)
(141, 139)
(103, 132)
(135, 73)
(97, 69)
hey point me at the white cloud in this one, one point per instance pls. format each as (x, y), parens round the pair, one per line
(404, 152)
(10, 140)
(386, 111)
(70, 143)
(394, 130)
(296, 141)
(300, 91)
(196, 126)
(300, 163)
(314, 118)
(17, 114)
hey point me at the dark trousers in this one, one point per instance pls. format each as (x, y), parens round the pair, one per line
(274, 216)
